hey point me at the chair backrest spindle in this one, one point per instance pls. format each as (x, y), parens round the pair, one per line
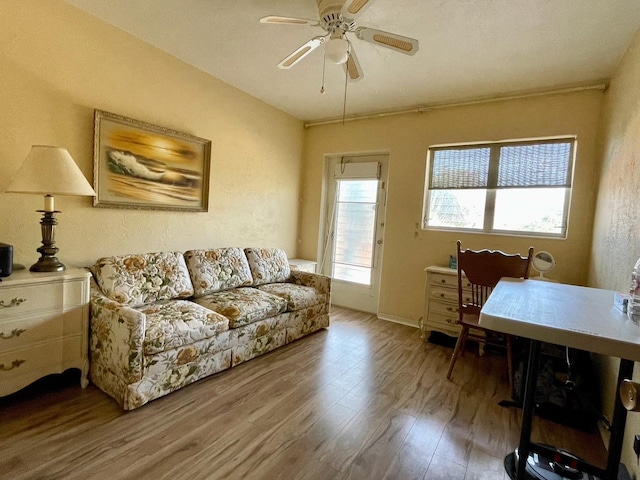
(483, 270)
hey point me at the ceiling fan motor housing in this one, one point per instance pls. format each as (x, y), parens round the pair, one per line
(331, 19)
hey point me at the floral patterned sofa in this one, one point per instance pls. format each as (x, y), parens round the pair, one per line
(160, 321)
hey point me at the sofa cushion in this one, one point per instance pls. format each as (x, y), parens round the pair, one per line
(217, 269)
(268, 265)
(175, 323)
(243, 305)
(136, 280)
(297, 296)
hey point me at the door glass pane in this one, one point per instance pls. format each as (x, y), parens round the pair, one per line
(354, 234)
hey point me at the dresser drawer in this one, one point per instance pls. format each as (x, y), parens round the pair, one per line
(448, 280)
(21, 367)
(443, 308)
(20, 300)
(449, 295)
(30, 359)
(446, 320)
(19, 333)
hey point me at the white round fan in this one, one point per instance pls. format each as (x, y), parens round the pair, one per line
(337, 19)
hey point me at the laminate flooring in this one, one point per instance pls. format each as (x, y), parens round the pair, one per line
(364, 399)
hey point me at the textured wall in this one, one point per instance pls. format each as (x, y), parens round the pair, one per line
(616, 233)
(407, 249)
(58, 64)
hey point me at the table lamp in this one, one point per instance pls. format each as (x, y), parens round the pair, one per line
(49, 171)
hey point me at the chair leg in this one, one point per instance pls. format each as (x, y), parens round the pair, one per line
(510, 361)
(462, 340)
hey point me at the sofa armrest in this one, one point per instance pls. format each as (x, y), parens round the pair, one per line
(117, 336)
(320, 282)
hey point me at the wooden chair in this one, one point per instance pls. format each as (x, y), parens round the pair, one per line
(483, 269)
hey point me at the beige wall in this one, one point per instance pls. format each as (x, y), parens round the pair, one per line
(616, 233)
(408, 249)
(58, 64)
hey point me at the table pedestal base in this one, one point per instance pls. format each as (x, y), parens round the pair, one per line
(585, 471)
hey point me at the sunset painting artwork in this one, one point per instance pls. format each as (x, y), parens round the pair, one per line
(139, 165)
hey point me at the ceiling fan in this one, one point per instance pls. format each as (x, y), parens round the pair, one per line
(337, 18)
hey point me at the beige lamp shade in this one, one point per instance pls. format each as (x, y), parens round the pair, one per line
(50, 171)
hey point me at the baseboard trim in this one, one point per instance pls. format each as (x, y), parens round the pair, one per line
(403, 321)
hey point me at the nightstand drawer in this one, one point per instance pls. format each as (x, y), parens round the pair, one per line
(25, 360)
(20, 333)
(443, 308)
(448, 280)
(447, 294)
(450, 320)
(20, 300)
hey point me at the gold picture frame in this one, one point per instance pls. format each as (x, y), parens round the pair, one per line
(144, 166)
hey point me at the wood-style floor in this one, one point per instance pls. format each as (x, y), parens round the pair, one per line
(365, 399)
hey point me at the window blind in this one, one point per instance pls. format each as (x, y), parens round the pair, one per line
(460, 168)
(541, 165)
(521, 165)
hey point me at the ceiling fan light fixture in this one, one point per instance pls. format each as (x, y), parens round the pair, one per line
(337, 50)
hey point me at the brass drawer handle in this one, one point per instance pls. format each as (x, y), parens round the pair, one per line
(14, 333)
(15, 364)
(13, 303)
(442, 295)
(443, 281)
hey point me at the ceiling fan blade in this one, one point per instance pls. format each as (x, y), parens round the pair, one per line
(301, 52)
(288, 20)
(352, 67)
(396, 42)
(352, 8)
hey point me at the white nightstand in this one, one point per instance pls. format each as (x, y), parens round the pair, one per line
(441, 302)
(302, 265)
(44, 326)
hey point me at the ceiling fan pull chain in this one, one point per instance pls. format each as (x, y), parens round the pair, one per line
(324, 64)
(346, 77)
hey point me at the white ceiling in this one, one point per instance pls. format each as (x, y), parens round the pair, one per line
(469, 49)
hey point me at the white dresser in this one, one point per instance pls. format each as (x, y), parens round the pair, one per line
(44, 326)
(441, 302)
(302, 265)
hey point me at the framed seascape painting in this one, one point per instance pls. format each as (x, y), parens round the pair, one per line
(139, 165)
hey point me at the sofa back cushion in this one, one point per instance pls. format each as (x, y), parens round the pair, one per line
(136, 280)
(268, 265)
(217, 269)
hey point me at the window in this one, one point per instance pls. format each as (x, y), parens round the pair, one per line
(519, 188)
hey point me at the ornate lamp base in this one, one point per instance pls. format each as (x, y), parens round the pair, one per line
(48, 262)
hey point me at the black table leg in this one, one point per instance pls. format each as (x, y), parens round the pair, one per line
(528, 408)
(618, 423)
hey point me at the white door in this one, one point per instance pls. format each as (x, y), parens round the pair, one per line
(352, 237)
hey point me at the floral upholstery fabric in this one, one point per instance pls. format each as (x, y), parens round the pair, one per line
(297, 296)
(175, 323)
(136, 280)
(243, 305)
(322, 283)
(217, 269)
(251, 331)
(257, 346)
(117, 337)
(306, 321)
(146, 341)
(268, 265)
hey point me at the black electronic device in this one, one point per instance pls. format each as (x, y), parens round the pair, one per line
(558, 465)
(6, 259)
